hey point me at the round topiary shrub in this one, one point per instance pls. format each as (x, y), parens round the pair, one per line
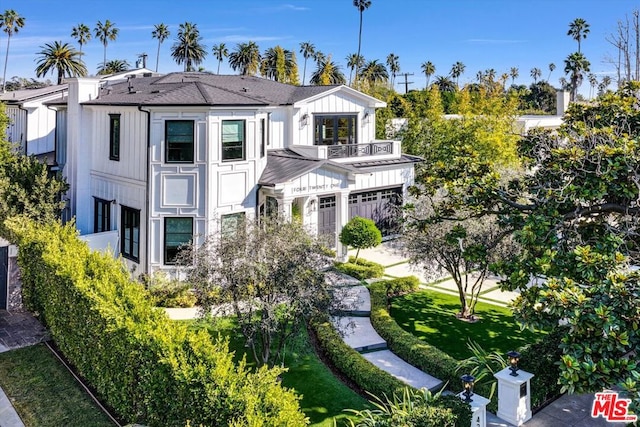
(360, 233)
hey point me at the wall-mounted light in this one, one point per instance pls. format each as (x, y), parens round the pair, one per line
(313, 204)
(366, 117)
(304, 120)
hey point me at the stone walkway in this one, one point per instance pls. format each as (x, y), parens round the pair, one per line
(17, 330)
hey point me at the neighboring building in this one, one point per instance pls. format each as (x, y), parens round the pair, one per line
(167, 159)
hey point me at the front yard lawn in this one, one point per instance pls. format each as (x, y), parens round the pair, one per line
(323, 395)
(430, 316)
(44, 393)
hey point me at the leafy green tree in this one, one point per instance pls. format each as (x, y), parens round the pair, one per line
(10, 22)
(445, 84)
(360, 233)
(307, 49)
(269, 271)
(26, 186)
(280, 65)
(106, 32)
(327, 73)
(429, 70)
(541, 96)
(60, 57)
(246, 58)
(578, 30)
(361, 5)
(113, 66)
(82, 34)
(188, 48)
(374, 72)
(160, 32)
(220, 52)
(576, 65)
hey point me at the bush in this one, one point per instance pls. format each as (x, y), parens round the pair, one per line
(404, 344)
(360, 269)
(400, 285)
(166, 292)
(360, 233)
(147, 368)
(351, 363)
(541, 359)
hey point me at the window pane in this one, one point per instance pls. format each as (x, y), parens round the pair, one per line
(130, 233)
(233, 140)
(179, 141)
(231, 223)
(114, 136)
(178, 232)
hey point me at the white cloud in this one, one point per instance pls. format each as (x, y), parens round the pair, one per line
(494, 41)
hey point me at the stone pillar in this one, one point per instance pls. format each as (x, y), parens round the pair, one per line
(514, 396)
(342, 217)
(478, 409)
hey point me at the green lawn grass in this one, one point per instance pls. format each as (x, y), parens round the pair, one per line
(324, 397)
(430, 316)
(44, 393)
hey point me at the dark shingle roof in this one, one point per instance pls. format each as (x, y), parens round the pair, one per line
(22, 95)
(405, 158)
(204, 89)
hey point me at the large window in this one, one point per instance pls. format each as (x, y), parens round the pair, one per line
(334, 130)
(231, 223)
(233, 140)
(101, 215)
(263, 137)
(114, 136)
(178, 232)
(130, 233)
(179, 141)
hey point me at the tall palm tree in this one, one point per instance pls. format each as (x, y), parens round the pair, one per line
(113, 66)
(429, 70)
(353, 61)
(552, 67)
(245, 58)
(514, 73)
(593, 82)
(188, 48)
(361, 5)
(307, 49)
(535, 74)
(10, 22)
(104, 33)
(82, 34)
(220, 51)
(445, 84)
(160, 32)
(374, 72)
(394, 67)
(62, 58)
(575, 66)
(456, 71)
(578, 30)
(327, 73)
(279, 64)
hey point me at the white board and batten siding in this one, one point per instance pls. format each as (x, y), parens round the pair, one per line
(399, 176)
(17, 129)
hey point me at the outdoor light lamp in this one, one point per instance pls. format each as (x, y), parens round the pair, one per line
(304, 120)
(514, 358)
(467, 383)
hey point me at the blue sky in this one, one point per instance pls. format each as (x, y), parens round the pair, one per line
(482, 34)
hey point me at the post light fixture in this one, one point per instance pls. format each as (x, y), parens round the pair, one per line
(467, 383)
(514, 358)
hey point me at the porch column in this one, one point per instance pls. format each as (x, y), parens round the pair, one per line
(342, 217)
(286, 208)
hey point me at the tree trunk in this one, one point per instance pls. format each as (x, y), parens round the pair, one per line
(6, 59)
(158, 56)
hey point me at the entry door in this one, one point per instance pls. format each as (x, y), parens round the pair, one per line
(4, 264)
(327, 220)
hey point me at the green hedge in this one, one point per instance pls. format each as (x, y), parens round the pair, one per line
(404, 344)
(147, 368)
(362, 269)
(540, 358)
(400, 285)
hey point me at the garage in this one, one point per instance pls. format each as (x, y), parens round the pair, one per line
(379, 205)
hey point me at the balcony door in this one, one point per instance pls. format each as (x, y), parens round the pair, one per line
(335, 129)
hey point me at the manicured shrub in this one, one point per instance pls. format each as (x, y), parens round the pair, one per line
(400, 285)
(408, 347)
(166, 292)
(147, 368)
(360, 233)
(360, 269)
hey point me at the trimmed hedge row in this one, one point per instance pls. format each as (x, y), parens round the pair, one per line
(360, 269)
(147, 368)
(413, 350)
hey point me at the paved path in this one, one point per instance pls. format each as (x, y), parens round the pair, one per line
(16, 330)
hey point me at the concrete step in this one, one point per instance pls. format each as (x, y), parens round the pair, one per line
(389, 362)
(358, 333)
(352, 300)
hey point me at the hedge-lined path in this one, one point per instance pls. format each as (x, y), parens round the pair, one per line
(17, 330)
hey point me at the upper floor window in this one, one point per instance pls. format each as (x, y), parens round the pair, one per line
(233, 140)
(114, 136)
(334, 130)
(178, 232)
(130, 233)
(179, 141)
(101, 215)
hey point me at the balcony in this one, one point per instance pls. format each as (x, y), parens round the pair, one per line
(345, 153)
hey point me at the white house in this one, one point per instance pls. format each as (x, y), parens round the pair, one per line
(166, 159)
